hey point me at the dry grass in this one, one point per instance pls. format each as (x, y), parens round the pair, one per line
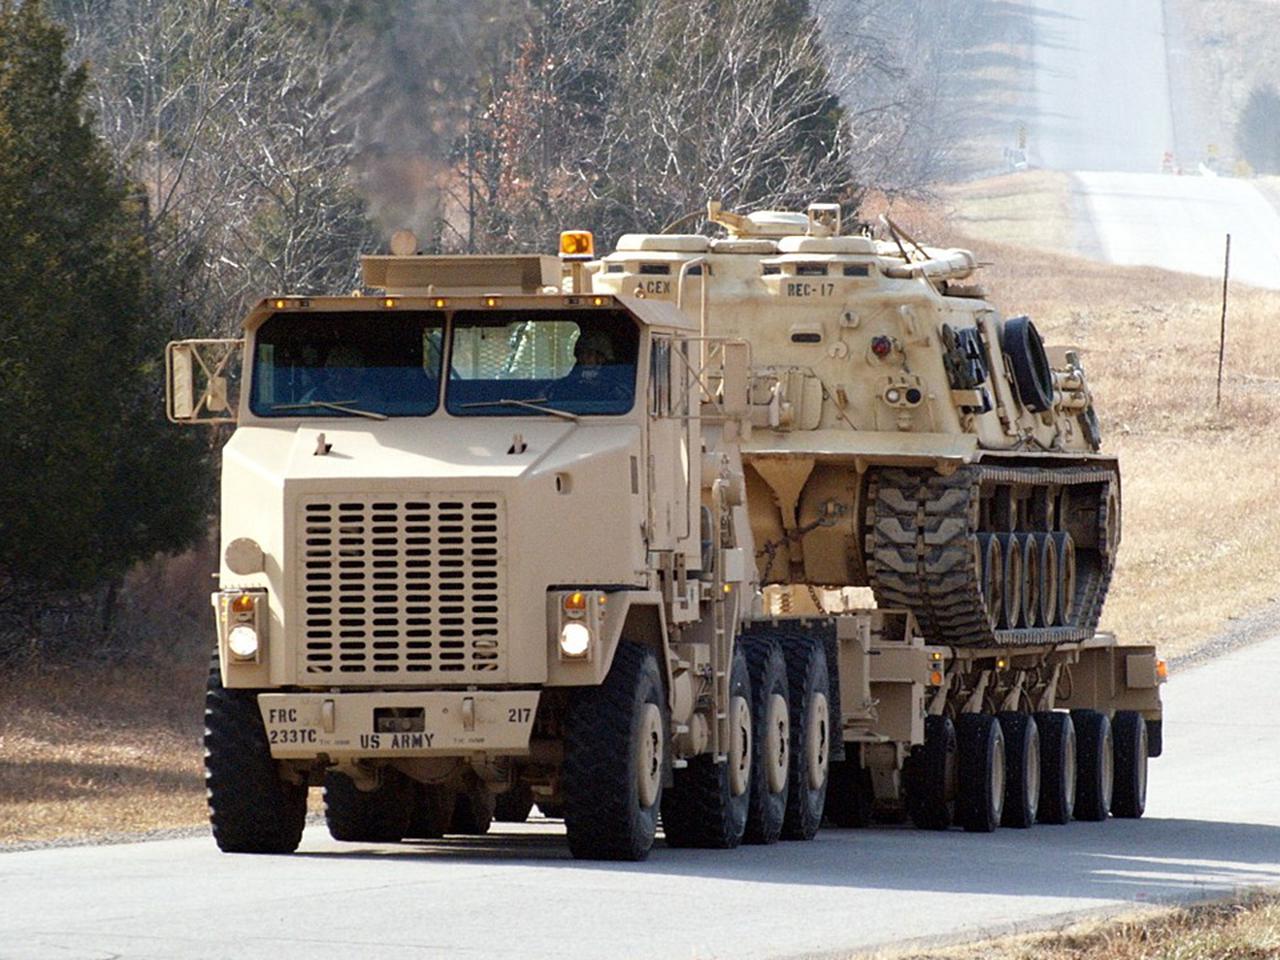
(1247, 928)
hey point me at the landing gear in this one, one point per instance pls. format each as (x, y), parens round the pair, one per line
(615, 755)
(708, 803)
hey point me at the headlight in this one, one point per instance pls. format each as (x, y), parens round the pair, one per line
(575, 640)
(242, 641)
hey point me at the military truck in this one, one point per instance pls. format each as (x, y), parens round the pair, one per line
(488, 540)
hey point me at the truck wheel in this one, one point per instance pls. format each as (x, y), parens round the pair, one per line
(708, 802)
(472, 812)
(1129, 733)
(1095, 764)
(514, 805)
(552, 811)
(930, 776)
(251, 809)
(380, 815)
(1057, 767)
(1022, 769)
(850, 797)
(980, 791)
(615, 755)
(808, 684)
(432, 806)
(771, 735)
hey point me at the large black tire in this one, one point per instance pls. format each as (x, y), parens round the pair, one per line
(432, 811)
(1057, 767)
(616, 742)
(472, 812)
(850, 797)
(808, 684)
(771, 737)
(1022, 769)
(1129, 737)
(380, 815)
(1095, 765)
(708, 802)
(930, 776)
(1031, 371)
(980, 790)
(513, 806)
(251, 809)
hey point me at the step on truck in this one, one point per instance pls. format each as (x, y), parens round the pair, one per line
(491, 538)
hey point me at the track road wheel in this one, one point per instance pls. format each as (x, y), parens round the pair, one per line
(1129, 735)
(931, 776)
(1057, 767)
(808, 682)
(1022, 769)
(708, 802)
(771, 736)
(980, 793)
(615, 753)
(514, 805)
(380, 815)
(251, 809)
(850, 797)
(1095, 764)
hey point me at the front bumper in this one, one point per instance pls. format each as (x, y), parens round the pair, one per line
(449, 723)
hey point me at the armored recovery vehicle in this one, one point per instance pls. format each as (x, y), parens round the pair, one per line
(487, 540)
(905, 437)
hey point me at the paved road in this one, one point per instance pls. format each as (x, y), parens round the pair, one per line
(1213, 824)
(1102, 111)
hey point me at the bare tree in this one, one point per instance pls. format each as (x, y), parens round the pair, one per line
(233, 118)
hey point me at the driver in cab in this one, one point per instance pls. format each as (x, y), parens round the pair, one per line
(596, 374)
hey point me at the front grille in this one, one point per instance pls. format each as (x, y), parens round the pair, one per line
(401, 589)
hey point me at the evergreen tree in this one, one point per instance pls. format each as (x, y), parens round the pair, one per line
(91, 478)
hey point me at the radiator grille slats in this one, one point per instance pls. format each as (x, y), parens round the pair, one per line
(401, 589)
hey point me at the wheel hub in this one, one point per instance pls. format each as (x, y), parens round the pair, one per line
(649, 754)
(739, 746)
(776, 745)
(817, 723)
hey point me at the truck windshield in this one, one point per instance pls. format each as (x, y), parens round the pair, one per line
(348, 364)
(528, 363)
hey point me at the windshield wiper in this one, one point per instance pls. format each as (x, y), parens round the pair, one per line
(343, 406)
(535, 403)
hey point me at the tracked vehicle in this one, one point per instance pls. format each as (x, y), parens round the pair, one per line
(905, 436)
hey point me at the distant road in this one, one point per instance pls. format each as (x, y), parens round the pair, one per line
(1102, 112)
(1213, 825)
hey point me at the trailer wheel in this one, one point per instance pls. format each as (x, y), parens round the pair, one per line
(615, 757)
(380, 815)
(515, 805)
(808, 683)
(1057, 767)
(980, 794)
(708, 802)
(251, 809)
(1022, 766)
(850, 796)
(1095, 764)
(771, 735)
(1129, 733)
(931, 776)
(431, 812)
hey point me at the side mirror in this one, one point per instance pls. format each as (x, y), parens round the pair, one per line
(735, 378)
(197, 381)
